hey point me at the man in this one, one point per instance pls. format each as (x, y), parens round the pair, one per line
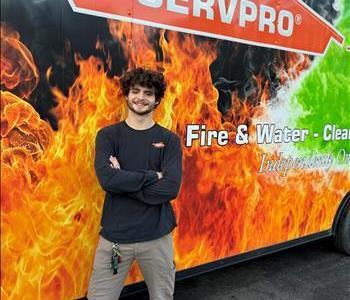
(139, 165)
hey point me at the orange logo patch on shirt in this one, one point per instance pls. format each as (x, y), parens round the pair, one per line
(158, 145)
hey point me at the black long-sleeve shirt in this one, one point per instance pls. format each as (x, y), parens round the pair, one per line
(137, 204)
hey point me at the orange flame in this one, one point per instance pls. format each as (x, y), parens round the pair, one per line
(24, 138)
(50, 224)
(18, 70)
(293, 66)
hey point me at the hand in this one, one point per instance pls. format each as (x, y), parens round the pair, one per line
(160, 175)
(114, 163)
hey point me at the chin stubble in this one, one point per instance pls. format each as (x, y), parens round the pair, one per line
(142, 113)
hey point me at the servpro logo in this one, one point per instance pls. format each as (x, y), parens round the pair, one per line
(290, 25)
(267, 18)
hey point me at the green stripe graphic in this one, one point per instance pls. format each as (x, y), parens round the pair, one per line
(324, 93)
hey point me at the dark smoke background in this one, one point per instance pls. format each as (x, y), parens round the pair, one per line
(248, 61)
(53, 33)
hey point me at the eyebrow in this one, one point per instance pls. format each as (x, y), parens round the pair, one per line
(147, 90)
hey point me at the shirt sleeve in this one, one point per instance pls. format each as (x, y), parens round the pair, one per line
(116, 180)
(167, 188)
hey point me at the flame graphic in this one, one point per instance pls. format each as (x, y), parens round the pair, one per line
(51, 201)
(18, 70)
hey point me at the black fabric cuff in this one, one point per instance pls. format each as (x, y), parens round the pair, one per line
(151, 176)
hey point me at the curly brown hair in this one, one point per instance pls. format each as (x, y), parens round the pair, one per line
(144, 77)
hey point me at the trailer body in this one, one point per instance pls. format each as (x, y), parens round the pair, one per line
(258, 91)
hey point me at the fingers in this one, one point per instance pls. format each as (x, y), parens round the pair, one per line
(114, 162)
(114, 165)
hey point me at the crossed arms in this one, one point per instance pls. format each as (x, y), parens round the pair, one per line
(148, 186)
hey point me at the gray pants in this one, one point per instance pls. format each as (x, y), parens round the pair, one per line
(155, 259)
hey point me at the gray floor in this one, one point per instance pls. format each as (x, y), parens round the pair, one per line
(314, 271)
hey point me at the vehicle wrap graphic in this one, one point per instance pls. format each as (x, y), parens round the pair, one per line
(265, 138)
(289, 25)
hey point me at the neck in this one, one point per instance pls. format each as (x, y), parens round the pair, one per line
(139, 122)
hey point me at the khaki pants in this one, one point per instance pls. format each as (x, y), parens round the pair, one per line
(155, 259)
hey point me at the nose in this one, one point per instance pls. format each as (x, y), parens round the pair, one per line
(141, 96)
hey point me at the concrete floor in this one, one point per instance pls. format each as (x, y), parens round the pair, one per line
(314, 271)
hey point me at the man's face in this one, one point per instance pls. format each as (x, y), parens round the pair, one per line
(141, 100)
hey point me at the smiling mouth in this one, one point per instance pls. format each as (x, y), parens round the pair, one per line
(141, 103)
